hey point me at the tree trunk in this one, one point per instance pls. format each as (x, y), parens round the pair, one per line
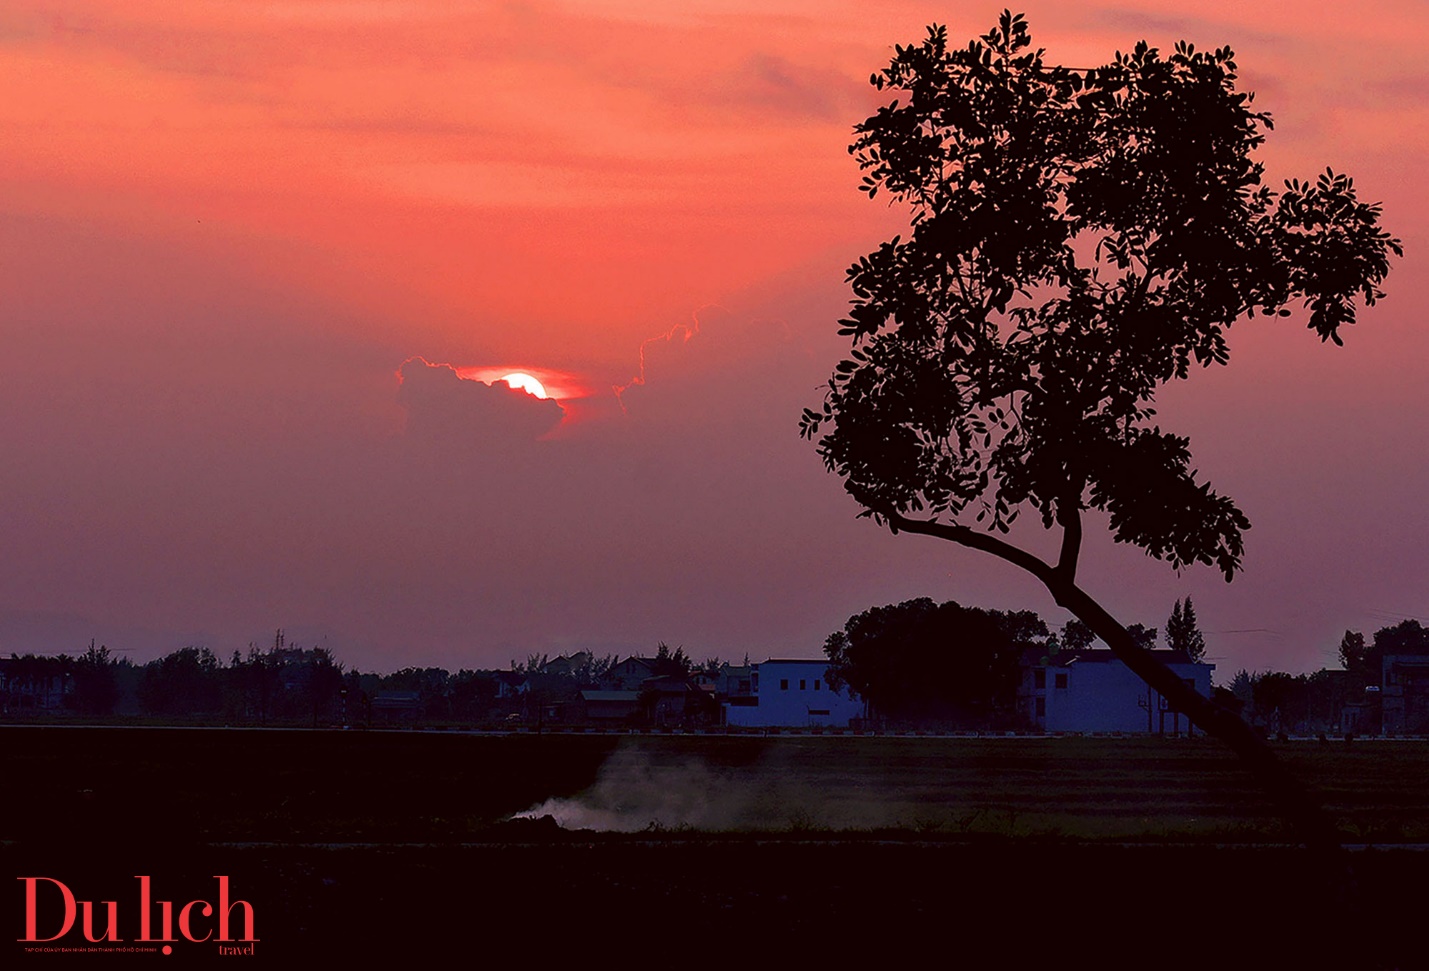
(1312, 827)
(1303, 813)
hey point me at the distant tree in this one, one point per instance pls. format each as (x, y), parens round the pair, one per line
(433, 687)
(184, 683)
(533, 664)
(593, 669)
(1024, 627)
(667, 662)
(1354, 658)
(321, 685)
(1325, 693)
(1182, 633)
(259, 683)
(1243, 687)
(1280, 700)
(1143, 636)
(918, 661)
(1406, 637)
(96, 688)
(1077, 636)
(473, 694)
(1078, 238)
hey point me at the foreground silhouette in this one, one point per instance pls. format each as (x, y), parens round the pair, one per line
(1078, 238)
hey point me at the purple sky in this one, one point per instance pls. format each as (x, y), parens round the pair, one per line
(225, 230)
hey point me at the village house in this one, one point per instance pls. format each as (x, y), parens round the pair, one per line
(792, 693)
(629, 674)
(1404, 694)
(30, 683)
(1094, 691)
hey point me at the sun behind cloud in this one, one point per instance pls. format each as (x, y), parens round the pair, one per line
(522, 381)
(540, 382)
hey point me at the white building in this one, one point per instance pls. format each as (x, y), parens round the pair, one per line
(1093, 691)
(791, 693)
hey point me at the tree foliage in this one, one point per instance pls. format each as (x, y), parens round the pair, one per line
(920, 661)
(182, 683)
(1145, 637)
(1353, 653)
(1182, 632)
(96, 689)
(1077, 636)
(671, 663)
(1405, 637)
(1078, 238)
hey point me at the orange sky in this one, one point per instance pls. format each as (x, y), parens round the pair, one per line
(226, 225)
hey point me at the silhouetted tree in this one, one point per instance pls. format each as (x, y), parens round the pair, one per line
(1279, 700)
(321, 685)
(1406, 637)
(433, 687)
(96, 689)
(473, 694)
(1242, 687)
(667, 662)
(183, 683)
(1076, 636)
(1355, 658)
(1143, 636)
(259, 678)
(1078, 238)
(593, 668)
(918, 661)
(1182, 633)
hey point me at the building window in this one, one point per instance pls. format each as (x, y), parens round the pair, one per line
(1062, 680)
(1039, 678)
(783, 684)
(818, 711)
(1041, 707)
(803, 685)
(816, 684)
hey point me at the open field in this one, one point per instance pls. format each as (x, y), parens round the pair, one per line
(356, 841)
(328, 786)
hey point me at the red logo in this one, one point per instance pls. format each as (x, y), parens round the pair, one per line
(198, 920)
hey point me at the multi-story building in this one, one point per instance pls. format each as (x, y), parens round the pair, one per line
(792, 693)
(1094, 691)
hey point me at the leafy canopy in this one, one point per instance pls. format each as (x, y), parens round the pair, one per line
(1183, 633)
(1078, 238)
(920, 659)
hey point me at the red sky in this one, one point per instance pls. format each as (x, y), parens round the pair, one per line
(226, 226)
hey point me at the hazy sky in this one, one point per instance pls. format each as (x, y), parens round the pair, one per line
(254, 258)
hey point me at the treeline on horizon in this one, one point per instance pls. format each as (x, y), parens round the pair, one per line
(290, 685)
(897, 657)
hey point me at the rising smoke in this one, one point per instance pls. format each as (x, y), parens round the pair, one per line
(644, 785)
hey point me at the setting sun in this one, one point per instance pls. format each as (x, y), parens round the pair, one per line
(544, 383)
(524, 382)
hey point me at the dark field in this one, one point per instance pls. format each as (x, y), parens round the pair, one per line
(1030, 848)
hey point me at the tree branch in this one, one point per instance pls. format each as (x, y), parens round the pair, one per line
(975, 539)
(1069, 516)
(1310, 823)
